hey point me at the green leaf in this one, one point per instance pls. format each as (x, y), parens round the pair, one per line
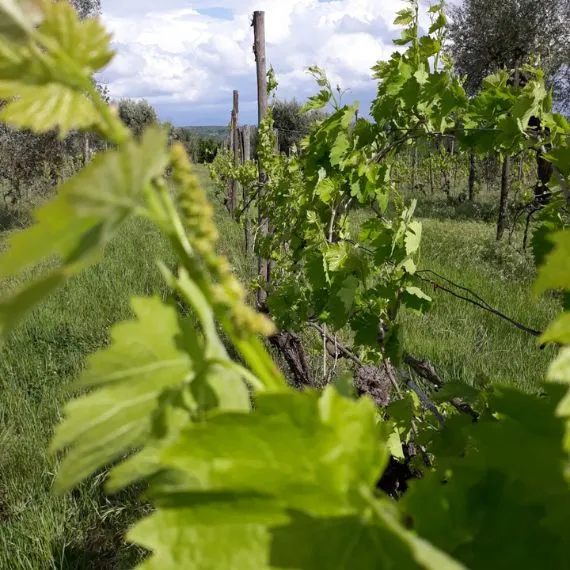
(404, 17)
(109, 188)
(76, 225)
(354, 543)
(18, 17)
(44, 107)
(265, 452)
(555, 273)
(415, 299)
(146, 358)
(395, 446)
(336, 256)
(558, 331)
(541, 243)
(339, 149)
(317, 101)
(559, 370)
(457, 389)
(413, 237)
(440, 22)
(422, 74)
(46, 84)
(348, 291)
(496, 508)
(85, 41)
(325, 189)
(429, 46)
(178, 544)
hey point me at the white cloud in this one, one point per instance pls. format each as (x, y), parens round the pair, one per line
(186, 57)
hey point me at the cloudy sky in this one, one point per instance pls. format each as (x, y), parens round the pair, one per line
(187, 56)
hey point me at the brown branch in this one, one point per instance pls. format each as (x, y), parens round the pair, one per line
(346, 353)
(477, 301)
(425, 370)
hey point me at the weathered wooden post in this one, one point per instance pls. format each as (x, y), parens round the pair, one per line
(262, 106)
(235, 148)
(246, 156)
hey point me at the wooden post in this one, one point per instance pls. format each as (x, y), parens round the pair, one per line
(472, 176)
(414, 168)
(86, 149)
(506, 179)
(262, 106)
(504, 197)
(246, 155)
(234, 146)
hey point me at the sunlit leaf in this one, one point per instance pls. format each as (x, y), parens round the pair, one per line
(75, 225)
(45, 107)
(146, 357)
(555, 273)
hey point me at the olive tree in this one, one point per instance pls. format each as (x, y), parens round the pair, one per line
(137, 114)
(488, 35)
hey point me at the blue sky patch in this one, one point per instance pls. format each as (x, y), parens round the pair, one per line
(218, 12)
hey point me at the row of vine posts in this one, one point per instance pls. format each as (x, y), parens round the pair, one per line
(238, 143)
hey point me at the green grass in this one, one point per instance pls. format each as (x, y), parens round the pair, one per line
(38, 362)
(84, 529)
(464, 342)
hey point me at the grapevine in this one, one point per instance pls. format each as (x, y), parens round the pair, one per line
(243, 470)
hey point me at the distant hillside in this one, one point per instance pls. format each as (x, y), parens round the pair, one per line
(217, 133)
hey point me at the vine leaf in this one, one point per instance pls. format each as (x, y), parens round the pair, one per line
(555, 273)
(80, 220)
(177, 544)
(413, 237)
(347, 543)
(86, 41)
(45, 79)
(245, 472)
(415, 299)
(558, 331)
(559, 372)
(491, 480)
(146, 358)
(343, 543)
(44, 107)
(266, 452)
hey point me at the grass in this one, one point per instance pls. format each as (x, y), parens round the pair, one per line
(464, 342)
(83, 530)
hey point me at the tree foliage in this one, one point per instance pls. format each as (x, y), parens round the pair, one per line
(486, 36)
(292, 124)
(87, 8)
(137, 115)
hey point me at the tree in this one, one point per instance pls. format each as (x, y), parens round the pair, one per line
(207, 150)
(137, 114)
(189, 139)
(486, 35)
(28, 159)
(291, 123)
(87, 8)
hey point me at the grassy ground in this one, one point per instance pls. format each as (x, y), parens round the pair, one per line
(464, 342)
(83, 531)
